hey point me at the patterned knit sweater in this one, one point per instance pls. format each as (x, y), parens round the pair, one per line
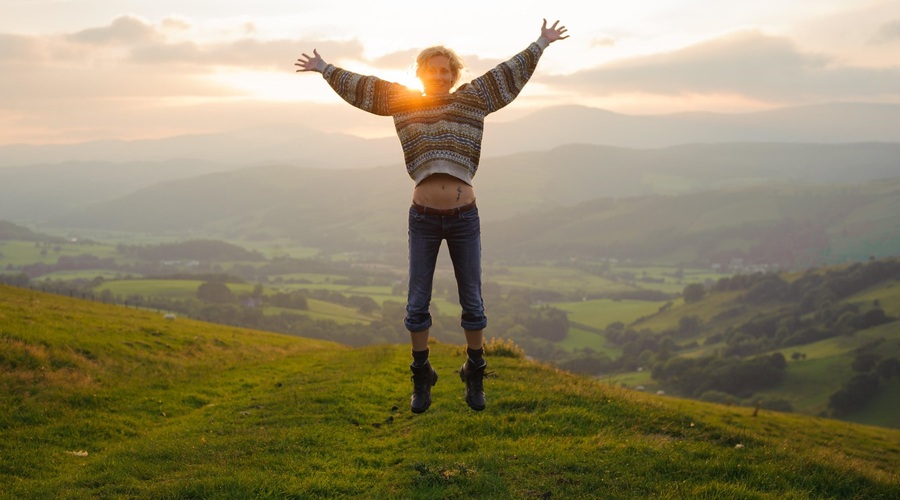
(439, 134)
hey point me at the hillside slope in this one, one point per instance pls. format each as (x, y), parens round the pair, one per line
(104, 401)
(683, 205)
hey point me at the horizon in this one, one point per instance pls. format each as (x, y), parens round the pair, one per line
(134, 71)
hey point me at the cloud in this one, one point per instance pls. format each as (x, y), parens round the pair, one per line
(747, 63)
(175, 24)
(19, 48)
(106, 81)
(888, 32)
(124, 29)
(247, 53)
(132, 41)
(397, 60)
(603, 42)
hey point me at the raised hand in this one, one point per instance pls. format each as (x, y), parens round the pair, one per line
(553, 33)
(307, 63)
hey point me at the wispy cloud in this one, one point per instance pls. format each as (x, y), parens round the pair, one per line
(748, 63)
(888, 32)
(126, 30)
(133, 41)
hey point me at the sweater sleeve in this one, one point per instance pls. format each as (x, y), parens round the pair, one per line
(499, 86)
(367, 93)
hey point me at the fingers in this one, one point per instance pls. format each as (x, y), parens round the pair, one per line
(559, 30)
(306, 62)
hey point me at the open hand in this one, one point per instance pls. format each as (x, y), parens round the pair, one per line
(307, 63)
(553, 33)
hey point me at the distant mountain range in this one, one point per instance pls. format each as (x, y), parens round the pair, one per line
(831, 123)
(304, 145)
(546, 181)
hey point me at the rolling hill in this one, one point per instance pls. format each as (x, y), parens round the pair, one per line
(100, 400)
(688, 204)
(825, 323)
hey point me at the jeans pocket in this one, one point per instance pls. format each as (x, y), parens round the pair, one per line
(469, 215)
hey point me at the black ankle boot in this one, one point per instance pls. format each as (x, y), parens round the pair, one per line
(473, 376)
(424, 377)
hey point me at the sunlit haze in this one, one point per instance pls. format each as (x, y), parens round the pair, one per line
(79, 70)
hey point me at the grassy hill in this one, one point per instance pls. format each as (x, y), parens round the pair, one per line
(99, 400)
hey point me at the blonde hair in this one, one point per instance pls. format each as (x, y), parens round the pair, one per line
(456, 63)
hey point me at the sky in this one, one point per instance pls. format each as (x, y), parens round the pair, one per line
(84, 70)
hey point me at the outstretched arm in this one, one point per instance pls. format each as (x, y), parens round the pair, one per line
(314, 63)
(499, 86)
(367, 93)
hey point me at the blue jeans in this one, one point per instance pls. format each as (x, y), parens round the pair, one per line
(463, 235)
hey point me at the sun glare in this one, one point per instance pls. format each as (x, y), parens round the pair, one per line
(271, 86)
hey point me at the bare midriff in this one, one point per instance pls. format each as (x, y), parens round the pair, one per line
(443, 191)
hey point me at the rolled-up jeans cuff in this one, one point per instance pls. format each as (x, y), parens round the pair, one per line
(474, 325)
(417, 325)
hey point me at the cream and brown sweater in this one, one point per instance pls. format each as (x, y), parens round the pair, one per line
(439, 134)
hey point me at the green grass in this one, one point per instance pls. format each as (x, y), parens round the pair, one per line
(576, 338)
(319, 309)
(84, 274)
(152, 288)
(887, 295)
(882, 409)
(558, 279)
(600, 313)
(19, 253)
(183, 409)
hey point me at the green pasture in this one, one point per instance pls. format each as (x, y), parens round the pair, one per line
(706, 309)
(845, 345)
(278, 248)
(174, 289)
(292, 279)
(141, 407)
(20, 253)
(558, 279)
(378, 293)
(631, 380)
(881, 410)
(320, 310)
(83, 274)
(337, 312)
(887, 295)
(600, 313)
(577, 338)
(809, 382)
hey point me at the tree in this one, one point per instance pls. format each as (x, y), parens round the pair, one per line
(690, 324)
(854, 394)
(693, 292)
(363, 303)
(215, 292)
(865, 362)
(888, 369)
